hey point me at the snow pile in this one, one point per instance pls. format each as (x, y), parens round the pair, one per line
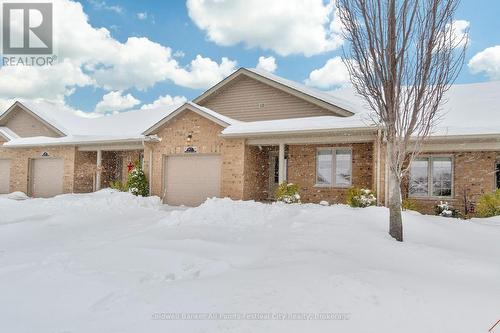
(15, 196)
(228, 212)
(67, 207)
(107, 198)
(112, 262)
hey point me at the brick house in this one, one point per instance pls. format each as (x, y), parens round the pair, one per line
(243, 137)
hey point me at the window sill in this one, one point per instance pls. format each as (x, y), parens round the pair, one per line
(331, 186)
(430, 198)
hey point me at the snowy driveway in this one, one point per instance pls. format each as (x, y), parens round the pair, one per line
(111, 262)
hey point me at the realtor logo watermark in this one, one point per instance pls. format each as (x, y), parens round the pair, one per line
(27, 34)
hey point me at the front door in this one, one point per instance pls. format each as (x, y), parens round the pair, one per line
(273, 174)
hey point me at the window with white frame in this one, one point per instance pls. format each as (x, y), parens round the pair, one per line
(431, 177)
(334, 167)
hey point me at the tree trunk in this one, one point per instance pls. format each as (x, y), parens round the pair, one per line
(395, 218)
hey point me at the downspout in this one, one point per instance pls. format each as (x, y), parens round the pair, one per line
(150, 167)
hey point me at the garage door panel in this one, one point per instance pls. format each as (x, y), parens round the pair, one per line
(190, 180)
(48, 175)
(4, 176)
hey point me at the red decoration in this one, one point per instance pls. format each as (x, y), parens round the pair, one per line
(130, 166)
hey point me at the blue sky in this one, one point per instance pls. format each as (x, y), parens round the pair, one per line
(186, 34)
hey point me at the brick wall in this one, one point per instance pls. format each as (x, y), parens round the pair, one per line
(302, 171)
(256, 186)
(85, 168)
(20, 160)
(205, 137)
(233, 168)
(473, 173)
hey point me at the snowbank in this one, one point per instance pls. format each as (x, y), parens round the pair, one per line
(111, 262)
(15, 196)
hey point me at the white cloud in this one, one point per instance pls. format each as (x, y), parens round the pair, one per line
(52, 83)
(268, 64)
(284, 26)
(115, 101)
(166, 100)
(91, 56)
(202, 72)
(460, 31)
(333, 74)
(487, 62)
(142, 15)
(179, 54)
(100, 5)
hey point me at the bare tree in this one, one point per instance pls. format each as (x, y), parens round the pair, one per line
(402, 56)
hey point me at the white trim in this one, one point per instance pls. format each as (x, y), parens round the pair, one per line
(347, 131)
(71, 143)
(111, 147)
(281, 163)
(460, 146)
(297, 140)
(7, 133)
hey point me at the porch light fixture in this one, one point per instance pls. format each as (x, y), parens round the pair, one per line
(189, 137)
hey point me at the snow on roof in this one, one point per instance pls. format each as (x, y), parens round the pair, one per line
(321, 95)
(471, 109)
(206, 112)
(468, 109)
(131, 122)
(225, 119)
(297, 125)
(8, 133)
(124, 124)
(122, 127)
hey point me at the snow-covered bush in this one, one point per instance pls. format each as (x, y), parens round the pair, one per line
(137, 183)
(360, 197)
(444, 209)
(288, 193)
(488, 204)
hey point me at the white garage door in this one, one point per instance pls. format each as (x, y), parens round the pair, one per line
(190, 180)
(4, 176)
(47, 177)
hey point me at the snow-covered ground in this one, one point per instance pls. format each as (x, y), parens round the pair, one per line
(111, 262)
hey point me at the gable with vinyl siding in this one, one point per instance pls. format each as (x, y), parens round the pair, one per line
(247, 99)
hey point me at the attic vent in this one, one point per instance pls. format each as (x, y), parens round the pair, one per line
(261, 105)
